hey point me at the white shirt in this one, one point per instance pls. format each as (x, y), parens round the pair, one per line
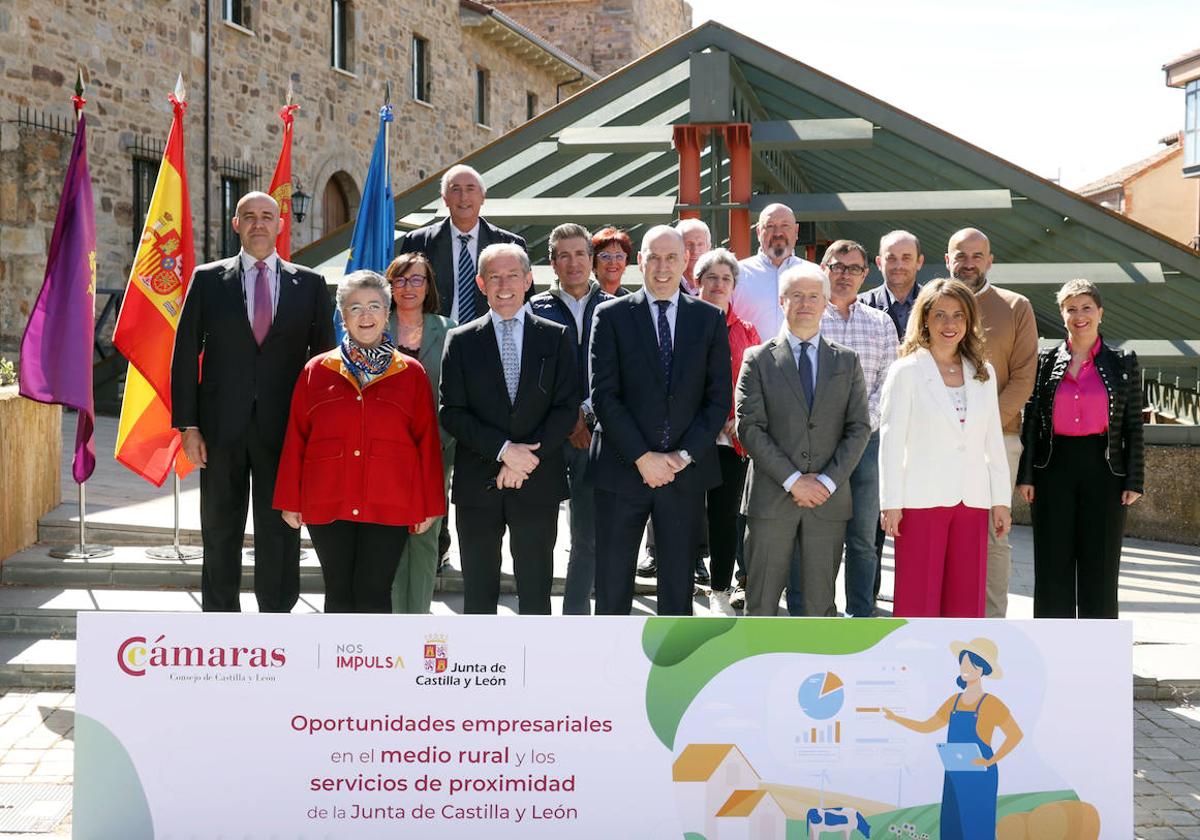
(455, 247)
(577, 307)
(812, 354)
(518, 331)
(756, 295)
(672, 312)
(250, 281)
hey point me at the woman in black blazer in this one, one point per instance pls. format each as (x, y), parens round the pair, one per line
(1082, 463)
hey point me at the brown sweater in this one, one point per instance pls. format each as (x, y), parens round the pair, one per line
(1011, 341)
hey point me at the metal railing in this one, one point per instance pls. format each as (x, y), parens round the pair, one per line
(1172, 395)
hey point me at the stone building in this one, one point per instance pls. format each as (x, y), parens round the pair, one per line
(461, 75)
(608, 34)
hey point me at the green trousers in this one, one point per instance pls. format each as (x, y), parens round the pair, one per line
(412, 588)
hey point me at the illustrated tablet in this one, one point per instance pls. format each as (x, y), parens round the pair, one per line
(959, 758)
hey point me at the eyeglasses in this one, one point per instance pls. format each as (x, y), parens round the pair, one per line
(357, 310)
(413, 281)
(612, 256)
(842, 268)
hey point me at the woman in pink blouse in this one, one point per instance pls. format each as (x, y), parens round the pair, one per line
(717, 273)
(1082, 462)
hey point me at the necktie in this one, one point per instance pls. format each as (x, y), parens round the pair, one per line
(510, 359)
(665, 354)
(466, 280)
(806, 373)
(262, 304)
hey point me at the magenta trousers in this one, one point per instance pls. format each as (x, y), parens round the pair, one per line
(941, 562)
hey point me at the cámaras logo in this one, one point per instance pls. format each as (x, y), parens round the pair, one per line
(135, 656)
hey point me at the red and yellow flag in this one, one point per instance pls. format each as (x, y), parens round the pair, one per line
(281, 183)
(145, 331)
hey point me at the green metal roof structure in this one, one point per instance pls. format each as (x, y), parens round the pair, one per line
(852, 165)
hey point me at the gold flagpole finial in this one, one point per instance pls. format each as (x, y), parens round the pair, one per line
(180, 90)
(289, 93)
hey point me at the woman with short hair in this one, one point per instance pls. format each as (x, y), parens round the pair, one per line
(361, 464)
(717, 273)
(611, 252)
(943, 471)
(420, 332)
(1082, 464)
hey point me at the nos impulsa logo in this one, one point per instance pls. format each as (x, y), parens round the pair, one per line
(136, 656)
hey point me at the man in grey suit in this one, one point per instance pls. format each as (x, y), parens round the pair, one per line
(802, 417)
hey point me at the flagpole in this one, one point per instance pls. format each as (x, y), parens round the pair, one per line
(175, 551)
(81, 551)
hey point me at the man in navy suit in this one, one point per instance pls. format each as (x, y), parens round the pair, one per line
(453, 245)
(899, 260)
(255, 320)
(510, 398)
(661, 394)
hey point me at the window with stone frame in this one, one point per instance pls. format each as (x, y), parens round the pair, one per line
(145, 173)
(531, 105)
(342, 35)
(420, 69)
(232, 189)
(236, 11)
(483, 96)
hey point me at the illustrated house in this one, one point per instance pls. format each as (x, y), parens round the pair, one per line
(705, 776)
(750, 815)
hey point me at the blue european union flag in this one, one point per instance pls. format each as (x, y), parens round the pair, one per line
(374, 242)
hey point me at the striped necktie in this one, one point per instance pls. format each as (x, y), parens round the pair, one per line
(466, 280)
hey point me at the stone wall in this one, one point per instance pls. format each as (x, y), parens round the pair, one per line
(605, 34)
(133, 50)
(1170, 510)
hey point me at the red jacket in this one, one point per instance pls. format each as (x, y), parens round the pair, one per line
(361, 455)
(742, 336)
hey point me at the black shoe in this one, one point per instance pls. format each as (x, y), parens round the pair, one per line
(443, 562)
(648, 568)
(701, 571)
(737, 598)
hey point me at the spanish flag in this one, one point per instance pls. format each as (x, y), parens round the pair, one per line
(145, 331)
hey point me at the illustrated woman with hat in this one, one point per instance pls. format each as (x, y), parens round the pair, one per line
(971, 717)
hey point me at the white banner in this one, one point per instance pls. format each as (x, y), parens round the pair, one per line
(701, 728)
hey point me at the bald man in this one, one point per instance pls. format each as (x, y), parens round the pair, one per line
(1011, 341)
(256, 319)
(756, 295)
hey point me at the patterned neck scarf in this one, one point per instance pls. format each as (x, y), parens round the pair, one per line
(367, 363)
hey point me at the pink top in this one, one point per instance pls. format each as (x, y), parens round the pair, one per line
(1081, 402)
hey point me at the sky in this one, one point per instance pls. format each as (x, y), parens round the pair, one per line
(1071, 90)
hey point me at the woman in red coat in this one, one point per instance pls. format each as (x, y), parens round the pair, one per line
(362, 462)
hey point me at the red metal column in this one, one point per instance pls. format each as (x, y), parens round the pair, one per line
(689, 140)
(737, 141)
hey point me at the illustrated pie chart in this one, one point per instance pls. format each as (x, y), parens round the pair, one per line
(822, 695)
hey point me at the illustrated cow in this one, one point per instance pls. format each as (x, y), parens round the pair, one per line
(843, 821)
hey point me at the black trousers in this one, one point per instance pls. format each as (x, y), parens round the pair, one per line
(358, 562)
(678, 516)
(236, 476)
(1078, 523)
(532, 530)
(724, 502)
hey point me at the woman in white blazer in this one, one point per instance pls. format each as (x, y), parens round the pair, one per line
(943, 472)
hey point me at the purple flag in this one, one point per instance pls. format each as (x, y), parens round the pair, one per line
(56, 351)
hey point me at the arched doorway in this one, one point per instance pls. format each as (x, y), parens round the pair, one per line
(336, 202)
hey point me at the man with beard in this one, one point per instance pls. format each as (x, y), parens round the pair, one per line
(756, 296)
(1010, 337)
(899, 260)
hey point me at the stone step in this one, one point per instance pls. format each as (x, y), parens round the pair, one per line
(37, 662)
(61, 527)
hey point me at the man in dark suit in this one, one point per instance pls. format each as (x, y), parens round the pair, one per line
(257, 320)
(661, 394)
(899, 260)
(509, 397)
(453, 245)
(802, 418)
